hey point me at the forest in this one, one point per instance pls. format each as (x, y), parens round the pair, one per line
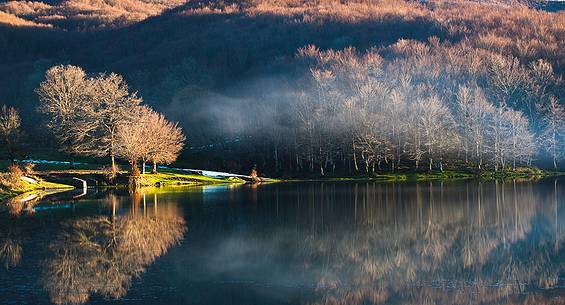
(305, 88)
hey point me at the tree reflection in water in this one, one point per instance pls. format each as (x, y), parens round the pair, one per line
(102, 254)
(470, 249)
(406, 243)
(10, 250)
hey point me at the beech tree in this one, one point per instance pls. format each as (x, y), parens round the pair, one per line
(112, 105)
(518, 140)
(474, 120)
(435, 121)
(148, 136)
(166, 138)
(85, 112)
(131, 138)
(64, 99)
(10, 133)
(554, 121)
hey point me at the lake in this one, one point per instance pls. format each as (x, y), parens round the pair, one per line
(290, 243)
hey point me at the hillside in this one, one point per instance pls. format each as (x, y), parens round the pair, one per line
(86, 14)
(226, 70)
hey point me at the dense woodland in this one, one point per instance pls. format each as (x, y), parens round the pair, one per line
(313, 87)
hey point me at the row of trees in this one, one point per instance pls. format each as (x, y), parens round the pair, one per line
(98, 116)
(434, 104)
(390, 113)
(361, 108)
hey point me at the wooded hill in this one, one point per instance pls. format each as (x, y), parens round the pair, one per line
(231, 72)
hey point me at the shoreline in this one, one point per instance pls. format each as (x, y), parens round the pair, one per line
(447, 175)
(65, 179)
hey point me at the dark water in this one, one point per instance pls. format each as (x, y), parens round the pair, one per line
(308, 243)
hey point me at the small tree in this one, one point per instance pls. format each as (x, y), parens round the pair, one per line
(131, 143)
(168, 140)
(165, 140)
(148, 136)
(554, 119)
(10, 133)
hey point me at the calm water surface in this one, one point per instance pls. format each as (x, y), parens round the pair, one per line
(307, 243)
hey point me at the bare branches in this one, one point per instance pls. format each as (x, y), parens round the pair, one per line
(148, 136)
(10, 133)
(423, 107)
(84, 113)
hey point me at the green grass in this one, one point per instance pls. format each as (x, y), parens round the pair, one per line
(175, 178)
(24, 187)
(526, 173)
(6, 195)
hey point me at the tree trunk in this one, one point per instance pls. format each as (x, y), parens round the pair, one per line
(154, 171)
(143, 168)
(554, 154)
(114, 168)
(134, 169)
(431, 164)
(355, 158)
(276, 159)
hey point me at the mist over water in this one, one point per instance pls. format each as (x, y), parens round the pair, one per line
(309, 243)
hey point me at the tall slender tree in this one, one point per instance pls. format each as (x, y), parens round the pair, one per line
(10, 133)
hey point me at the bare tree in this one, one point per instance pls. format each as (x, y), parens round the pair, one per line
(131, 142)
(474, 113)
(64, 99)
(148, 136)
(554, 119)
(113, 104)
(519, 141)
(435, 122)
(166, 138)
(84, 113)
(10, 133)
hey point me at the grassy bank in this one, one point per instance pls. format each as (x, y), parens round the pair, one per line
(170, 178)
(11, 190)
(101, 178)
(524, 173)
(122, 178)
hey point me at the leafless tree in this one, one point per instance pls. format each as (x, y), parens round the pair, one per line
(10, 133)
(435, 122)
(474, 113)
(166, 138)
(84, 113)
(554, 121)
(131, 143)
(113, 104)
(148, 136)
(64, 99)
(519, 141)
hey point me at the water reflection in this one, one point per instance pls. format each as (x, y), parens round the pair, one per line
(25, 203)
(101, 254)
(10, 250)
(472, 243)
(304, 243)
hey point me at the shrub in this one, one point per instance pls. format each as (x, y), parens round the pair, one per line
(29, 169)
